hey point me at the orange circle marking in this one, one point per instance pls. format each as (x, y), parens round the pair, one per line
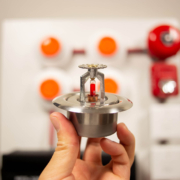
(110, 86)
(49, 89)
(107, 46)
(50, 46)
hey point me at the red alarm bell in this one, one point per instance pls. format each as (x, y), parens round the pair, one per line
(164, 80)
(163, 42)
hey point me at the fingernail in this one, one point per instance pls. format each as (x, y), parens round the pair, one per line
(125, 127)
(55, 123)
(109, 140)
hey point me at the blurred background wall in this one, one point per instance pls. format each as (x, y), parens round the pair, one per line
(12, 9)
(88, 9)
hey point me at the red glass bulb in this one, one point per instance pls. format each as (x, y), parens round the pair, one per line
(92, 87)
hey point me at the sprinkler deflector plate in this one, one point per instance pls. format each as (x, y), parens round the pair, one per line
(112, 104)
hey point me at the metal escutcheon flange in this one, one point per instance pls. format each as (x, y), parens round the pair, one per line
(92, 119)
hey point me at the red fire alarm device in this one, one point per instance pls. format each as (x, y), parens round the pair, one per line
(163, 42)
(164, 80)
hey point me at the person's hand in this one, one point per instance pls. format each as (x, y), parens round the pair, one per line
(66, 164)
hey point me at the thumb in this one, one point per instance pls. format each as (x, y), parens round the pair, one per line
(66, 152)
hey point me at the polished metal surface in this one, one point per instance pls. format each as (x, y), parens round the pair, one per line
(92, 119)
(83, 80)
(112, 104)
(100, 76)
(94, 125)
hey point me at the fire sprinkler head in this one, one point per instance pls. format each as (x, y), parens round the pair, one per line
(93, 114)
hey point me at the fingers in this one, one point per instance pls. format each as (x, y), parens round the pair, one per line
(120, 160)
(127, 140)
(66, 152)
(93, 151)
(79, 154)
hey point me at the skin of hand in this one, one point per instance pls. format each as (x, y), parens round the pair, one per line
(66, 164)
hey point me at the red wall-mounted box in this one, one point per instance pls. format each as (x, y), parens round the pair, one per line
(164, 80)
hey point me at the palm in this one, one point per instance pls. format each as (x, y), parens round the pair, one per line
(91, 168)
